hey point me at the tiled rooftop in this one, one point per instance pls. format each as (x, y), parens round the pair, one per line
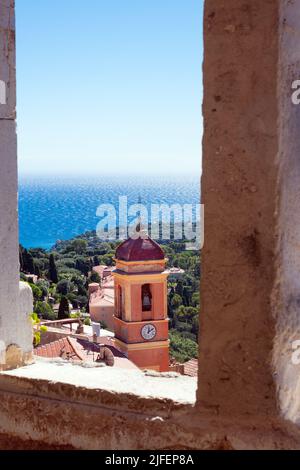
(66, 348)
(104, 296)
(82, 350)
(191, 368)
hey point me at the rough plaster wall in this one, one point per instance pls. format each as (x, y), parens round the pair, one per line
(41, 414)
(15, 304)
(287, 292)
(239, 188)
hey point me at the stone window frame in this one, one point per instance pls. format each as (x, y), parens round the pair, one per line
(245, 341)
(26, 404)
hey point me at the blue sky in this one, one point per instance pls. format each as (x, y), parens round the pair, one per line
(109, 86)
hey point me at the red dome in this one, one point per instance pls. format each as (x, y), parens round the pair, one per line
(141, 249)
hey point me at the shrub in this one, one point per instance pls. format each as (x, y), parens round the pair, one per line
(63, 287)
(38, 329)
(182, 349)
(94, 278)
(44, 310)
(37, 292)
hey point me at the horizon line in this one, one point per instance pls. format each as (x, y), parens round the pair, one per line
(116, 175)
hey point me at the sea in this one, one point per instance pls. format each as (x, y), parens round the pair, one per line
(53, 208)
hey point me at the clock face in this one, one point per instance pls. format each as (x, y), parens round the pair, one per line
(148, 332)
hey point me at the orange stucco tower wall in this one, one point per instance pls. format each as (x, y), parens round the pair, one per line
(141, 318)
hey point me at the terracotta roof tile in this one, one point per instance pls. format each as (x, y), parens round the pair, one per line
(140, 249)
(191, 368)
(59, 348)
(83, 350)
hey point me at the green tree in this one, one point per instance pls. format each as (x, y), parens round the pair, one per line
(83, 265)
(176, 301)
(82, 301)
(37, 270)
(187, 295)
(95, 278)
(28, 263)
(36, 291)
(44, 286)
(66, 262)
(96, 260)
(182, 349)
(64, 287)
(108, 259)
(44, 310)
(21, 250)
(52, 270)
(179, 288)
(80, 284)
(73, 300)
(186, 314)
(196, 299)
(195, 266)
(79, 246)
(195, 325)
(64, 308)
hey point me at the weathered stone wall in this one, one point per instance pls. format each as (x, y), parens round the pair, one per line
(15, 304)
(286, 300)
(250, 188)
(41, 415)
(239, 191)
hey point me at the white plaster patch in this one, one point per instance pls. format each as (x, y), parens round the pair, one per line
(7, 61)
(2, 92)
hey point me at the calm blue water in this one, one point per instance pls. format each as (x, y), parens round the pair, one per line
(52, 209)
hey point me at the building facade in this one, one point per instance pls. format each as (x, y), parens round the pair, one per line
(101, 302)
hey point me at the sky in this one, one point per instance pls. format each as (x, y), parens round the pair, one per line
(109, 86)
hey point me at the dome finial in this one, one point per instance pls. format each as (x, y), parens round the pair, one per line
(140, 228)
(140, 248)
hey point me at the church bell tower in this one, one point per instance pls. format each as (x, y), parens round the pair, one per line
(141, 317)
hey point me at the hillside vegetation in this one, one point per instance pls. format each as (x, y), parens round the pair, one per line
(64, 276)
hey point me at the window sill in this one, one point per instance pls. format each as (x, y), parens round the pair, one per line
(99, 408)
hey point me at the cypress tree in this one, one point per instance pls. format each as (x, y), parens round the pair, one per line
(179, 288)
(64, 308)
(52, 270)
(29, 263)
(21, 258)
(37, 271)
(96, 261)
